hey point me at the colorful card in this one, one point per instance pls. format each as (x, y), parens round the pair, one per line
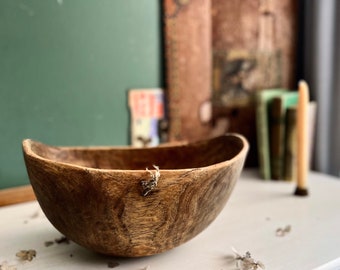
(147, 111)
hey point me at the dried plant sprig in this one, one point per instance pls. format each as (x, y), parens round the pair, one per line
(150, 185)
(246, 262)
(26, 255)
(5, 266)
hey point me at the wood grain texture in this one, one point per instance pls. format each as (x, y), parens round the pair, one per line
(187, 29)
(224, 51)
(16, 195)
(93, 195)
(258, 26)
(253, 47)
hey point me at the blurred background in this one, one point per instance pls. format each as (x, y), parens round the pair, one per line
(65, 70)
(66, 67)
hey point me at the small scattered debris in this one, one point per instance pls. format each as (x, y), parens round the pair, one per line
(5, 266)
(49, 243)
(26, 255)
(62, 240)
(246, 262)
(280, 232)
(146, 267)
(112, 264)
(150, 185)
(71, 255)
(35, 214)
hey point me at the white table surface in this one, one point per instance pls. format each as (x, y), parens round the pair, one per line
(256, 209)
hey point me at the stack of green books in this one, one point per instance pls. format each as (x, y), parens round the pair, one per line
(276, 133)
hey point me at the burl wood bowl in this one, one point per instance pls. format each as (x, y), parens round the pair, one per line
(105, 199)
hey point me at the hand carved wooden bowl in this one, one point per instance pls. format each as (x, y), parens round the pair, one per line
(104, 199)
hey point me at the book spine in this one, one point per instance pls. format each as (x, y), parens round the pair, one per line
(262, 137)
(312, 109)
(276, 139)
(291, 144)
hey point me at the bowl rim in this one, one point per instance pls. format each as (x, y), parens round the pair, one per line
(27, 150)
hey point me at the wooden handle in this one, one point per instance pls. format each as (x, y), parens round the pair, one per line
(302, 135)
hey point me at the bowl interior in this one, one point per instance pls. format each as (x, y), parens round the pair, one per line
(191, 155)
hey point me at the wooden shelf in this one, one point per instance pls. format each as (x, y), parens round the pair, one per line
(16, 195)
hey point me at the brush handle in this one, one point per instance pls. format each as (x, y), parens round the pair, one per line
(302, 135)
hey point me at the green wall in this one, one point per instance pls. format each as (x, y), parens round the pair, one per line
(65, 68)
